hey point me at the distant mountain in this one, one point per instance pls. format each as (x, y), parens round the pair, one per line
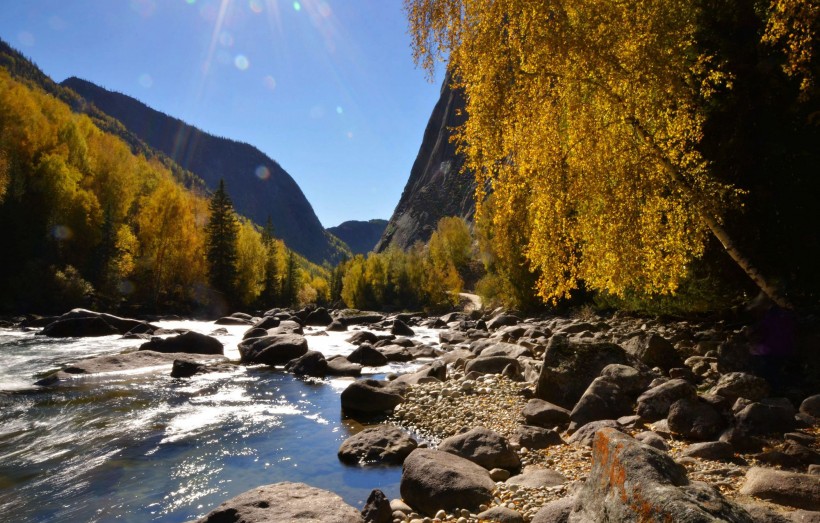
(259, 187)
(436, 188)
(360, 236)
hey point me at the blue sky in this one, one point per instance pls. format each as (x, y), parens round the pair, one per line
(327, 88)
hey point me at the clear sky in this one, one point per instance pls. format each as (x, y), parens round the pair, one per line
(327, 88)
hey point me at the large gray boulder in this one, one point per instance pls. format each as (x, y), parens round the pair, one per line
(782, 487)
(189, 342)
(633, 482)
(379, 444)
(542, 413)
(341, 366)
(811, 406)
(311, 363)
(653, 350)
(767, 416)
(603, 399)
(537, 478)
(695, 419)
(484, 447)
(272, 350)
(367, 356)
(735, 385)
(86, 323)
(654, 403)
(370, 397)
(569, 368)
(284, 501)
(432, 480)
(533, 437)
(491, 364)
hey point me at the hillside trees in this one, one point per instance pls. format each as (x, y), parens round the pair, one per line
(586, 121)
(223, 231)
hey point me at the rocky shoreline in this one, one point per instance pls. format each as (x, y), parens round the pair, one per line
(558, 419)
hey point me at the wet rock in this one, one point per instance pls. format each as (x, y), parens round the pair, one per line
(569, 368)
(319, 318)
(341, 366)
(484, 447)
(367, 356)
(452, 337)
(272, 350)
(370, 397)
(232, 320)
(377, 508)
(337, 326)
(545, 414)
(400, 328)
(655, 402)
(379, 444)
(396, 353)
(534, 437)
(503, 320)
(653, 350)
(287, 327)
(265, 323)
(630, 481)
(432, 480)
(695, 419)
(360, 337)
(811, 406)
(735, 385)
(311, 363)
(186, 369)
(189, 342)
(785, 488)
(284, 501)
(355, 317)
(86, 323)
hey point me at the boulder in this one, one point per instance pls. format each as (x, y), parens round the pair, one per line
(272, 350)
(503, 320)
(555, 511)
(129, 361)
(190, 342)
(287, 327)
(399, 328)
(337, 326)
(379, 444)
(432, 480)
(811, 406)
(490, 365)
(695, 419)
(377, 508)
(545, 414)
(356, 317)
(501, 515)
(367, 356)
(735, 385)
(340, 366)
(603, 399)
(767, 416)
(714, 450)
(484, 447)
(505, 349)
(633, 482)
(319, 318)
(232, 320)
(533, 437)
(452, 337)
(186, 369)
(585, 436)
(284, 501)
(396, 353)
(538, 478)
(266, 322)
(569, 368)
(629, 379)
(655, 402)
(652, 439)
(370, 397)
(359, 337)
(311, 363)
(785, 488)
(79, 328)
(653, 350)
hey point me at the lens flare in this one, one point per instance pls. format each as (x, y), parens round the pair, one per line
(146, 81)
(339, 109)
(61, 232)
(262, 172)
(125, 287)
(270, 82)
(297, 6)
(241, 62)
(256, 6)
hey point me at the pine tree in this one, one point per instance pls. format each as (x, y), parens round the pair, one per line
(222, 229)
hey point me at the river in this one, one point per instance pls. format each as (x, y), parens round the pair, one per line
(136, 447)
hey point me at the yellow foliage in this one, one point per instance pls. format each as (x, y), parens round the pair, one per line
(251, 257)
(583, 120)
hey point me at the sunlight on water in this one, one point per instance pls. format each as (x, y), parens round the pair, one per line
(142, 446)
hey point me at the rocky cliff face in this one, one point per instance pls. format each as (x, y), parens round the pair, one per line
(258, 186)
(436, 188)
(360, 236)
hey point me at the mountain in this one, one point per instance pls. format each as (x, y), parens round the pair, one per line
(436, 188)
(259, 187)
(360, 236)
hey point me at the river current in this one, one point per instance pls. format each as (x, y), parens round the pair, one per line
(143, 446)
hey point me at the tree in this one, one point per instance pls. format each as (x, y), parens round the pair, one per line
(222, 233)
(587, 118)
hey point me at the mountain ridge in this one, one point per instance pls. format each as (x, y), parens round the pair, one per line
(361, 236)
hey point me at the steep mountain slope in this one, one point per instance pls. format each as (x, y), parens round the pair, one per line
(258, 186)
(436, 188)
(360, 236)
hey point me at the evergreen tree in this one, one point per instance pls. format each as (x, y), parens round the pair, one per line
(290, 282)
(222, 230)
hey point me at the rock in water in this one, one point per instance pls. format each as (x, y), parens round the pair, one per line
(273, 350)
(190, 342)
(284, 501)
(369, 397)
(377, 508)
(379, 444)
(633, 482)
(432, 480)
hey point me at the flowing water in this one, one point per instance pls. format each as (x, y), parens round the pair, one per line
(148, 447)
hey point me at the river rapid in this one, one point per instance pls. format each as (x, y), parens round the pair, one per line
(143, 446)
